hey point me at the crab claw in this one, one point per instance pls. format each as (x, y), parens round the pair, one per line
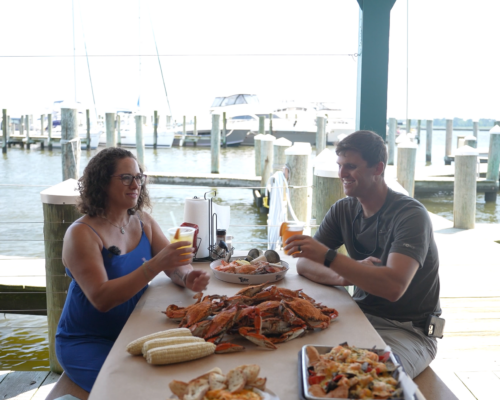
(228, 348)
(252, 335)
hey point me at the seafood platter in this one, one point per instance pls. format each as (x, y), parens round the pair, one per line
(240, 383)
(253, 269)
(347, 372)
(263, 315)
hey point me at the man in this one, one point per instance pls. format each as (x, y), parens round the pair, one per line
(393, 257)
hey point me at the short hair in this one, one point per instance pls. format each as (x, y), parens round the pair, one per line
(367, 143)
(95, 181)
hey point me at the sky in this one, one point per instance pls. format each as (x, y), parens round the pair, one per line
(442, 61)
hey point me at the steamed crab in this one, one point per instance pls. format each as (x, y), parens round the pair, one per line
(264, 316)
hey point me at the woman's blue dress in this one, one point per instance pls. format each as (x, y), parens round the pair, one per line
(85, 335)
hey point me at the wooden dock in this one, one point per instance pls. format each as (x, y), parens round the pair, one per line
(210, 180)
(468, 359)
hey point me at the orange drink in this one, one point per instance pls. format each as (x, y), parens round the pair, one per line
(291, 229)
(181, 234)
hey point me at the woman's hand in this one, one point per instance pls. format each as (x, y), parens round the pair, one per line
(173, 256)
(197, 280)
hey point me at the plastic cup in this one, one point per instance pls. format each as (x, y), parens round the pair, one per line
(181, 234)
(292, 230)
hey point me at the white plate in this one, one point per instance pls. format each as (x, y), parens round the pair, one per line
(245, 279)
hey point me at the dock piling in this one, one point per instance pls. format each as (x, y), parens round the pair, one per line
(408, 126)
(391, 140)
(110, 130)
(87, 120)
(155, 131)
(139, 140)
(262, 121)
(28, 126)
(297, 160)
(407, 158)
(328, 188)
(224, 133)
(475, 128)
(215, 144)
(323, 159)
(4, 131)
(470, 141)
(256, 150)
(70, 144)
(279, 147)
(118, 130)
(49, 131)
(493, 161)
(428, 142)
(59, 212)
(447, 148)
(320, 134)
(419, 126)
(266, 160)
(465, 188)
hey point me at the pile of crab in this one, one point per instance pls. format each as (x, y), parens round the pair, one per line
(265, 316)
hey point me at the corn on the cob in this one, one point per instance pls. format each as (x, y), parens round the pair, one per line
(135, 347)
(179, 353)
(162, 342)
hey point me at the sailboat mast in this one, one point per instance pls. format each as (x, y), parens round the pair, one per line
(74, 47)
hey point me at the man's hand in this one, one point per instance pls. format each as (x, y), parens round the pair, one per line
(373, 261)
(306, 247)
(197, 280)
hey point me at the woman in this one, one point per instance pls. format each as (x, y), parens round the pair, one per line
(111, 253)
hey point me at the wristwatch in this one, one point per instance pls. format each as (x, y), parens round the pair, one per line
(330, 256)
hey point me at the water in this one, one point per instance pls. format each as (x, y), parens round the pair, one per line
(25, 173)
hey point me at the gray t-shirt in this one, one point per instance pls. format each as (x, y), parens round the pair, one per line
(402, 226)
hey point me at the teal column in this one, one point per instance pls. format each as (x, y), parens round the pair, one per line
(373, 65)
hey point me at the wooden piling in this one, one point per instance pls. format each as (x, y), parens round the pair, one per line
(87, 123)
(59, 212)
(257, 149)
(270, 124)
(118, 130)
(70, 144)
(323, 159)
(470, 141)
(49, 131)
(139, 140)
(464, 191)
(224, 122)
(195, 127)
(460, 141)
(279, 147)
(475, 128)
(155, 131)
(493, 161)
(297, 159)
(328, 188)
(447, 149)
(21, 126)
(408, 126)
(215, 144)
(266, 159)
(28, 126)
(262, 129)
(407, 158)
(110, 130)
(4, 131)
(419, 125)
(391, 140)
(428, 142)
(320, 134)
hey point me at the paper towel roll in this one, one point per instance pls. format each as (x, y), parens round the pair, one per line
(196, 212)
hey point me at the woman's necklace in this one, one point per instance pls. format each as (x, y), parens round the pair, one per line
(119, 227)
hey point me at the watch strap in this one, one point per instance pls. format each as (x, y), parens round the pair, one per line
(329, 257)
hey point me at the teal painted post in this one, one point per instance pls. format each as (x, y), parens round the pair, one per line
(373, 65)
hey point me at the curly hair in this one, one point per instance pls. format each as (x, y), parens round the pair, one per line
(95, 181)
(367, 143)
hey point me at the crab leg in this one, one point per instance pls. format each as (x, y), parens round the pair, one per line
(252, 335)
(228, 348)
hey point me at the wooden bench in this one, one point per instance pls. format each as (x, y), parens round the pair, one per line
(432, 387)
(66, 386)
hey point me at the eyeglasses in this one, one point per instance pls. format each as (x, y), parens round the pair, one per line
(127, 179)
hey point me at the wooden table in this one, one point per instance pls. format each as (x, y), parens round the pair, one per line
(130, 377)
